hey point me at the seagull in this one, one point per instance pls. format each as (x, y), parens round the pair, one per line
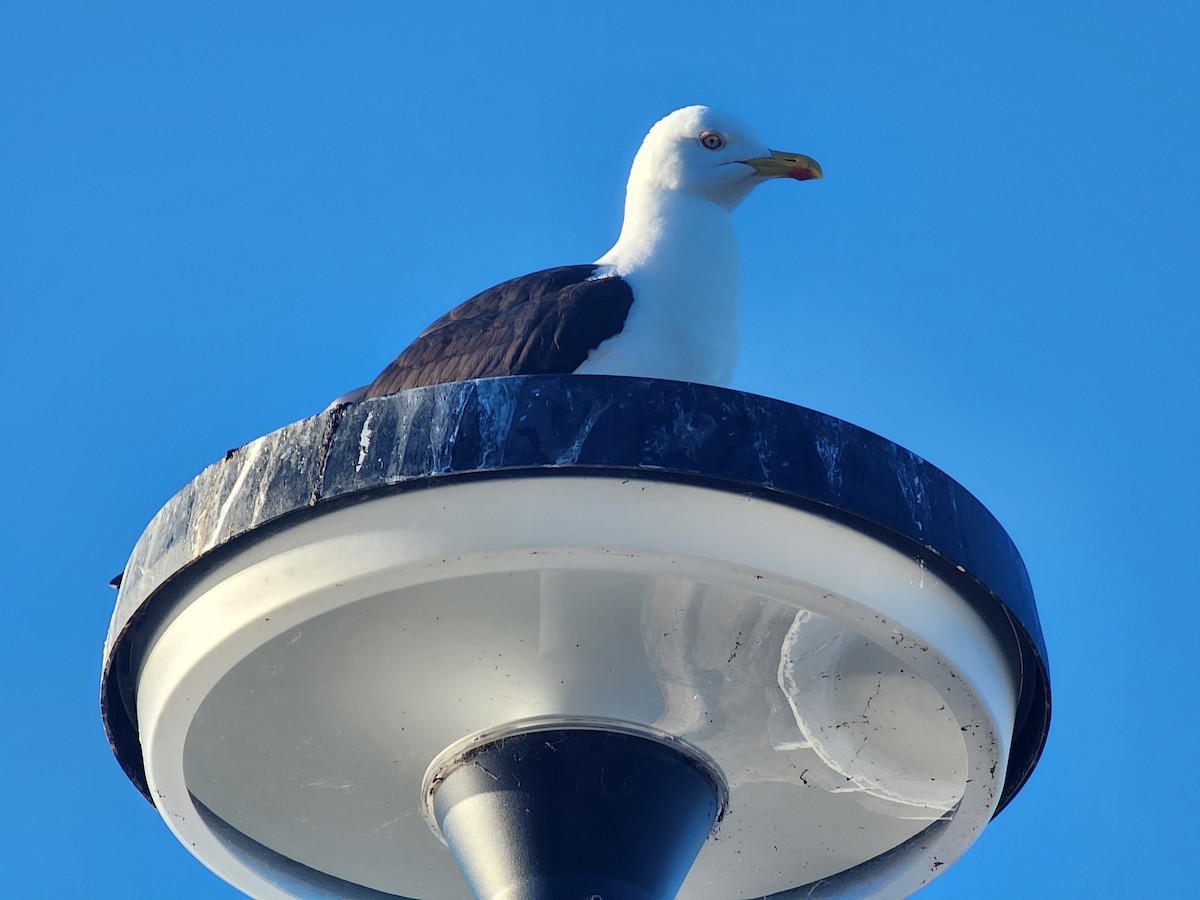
(664, 302)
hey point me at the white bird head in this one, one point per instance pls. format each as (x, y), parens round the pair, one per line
(713, 156)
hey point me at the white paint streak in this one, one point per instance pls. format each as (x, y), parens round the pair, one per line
(247, 458)
(364, 442)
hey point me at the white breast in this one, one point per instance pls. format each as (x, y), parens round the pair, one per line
(680, 259)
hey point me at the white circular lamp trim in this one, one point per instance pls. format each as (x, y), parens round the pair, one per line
(470, 527)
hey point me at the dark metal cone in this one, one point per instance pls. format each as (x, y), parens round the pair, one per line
(576, 814)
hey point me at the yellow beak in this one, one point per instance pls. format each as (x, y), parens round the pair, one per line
(786, 165)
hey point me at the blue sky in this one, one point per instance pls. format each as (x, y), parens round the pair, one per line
(214, 218)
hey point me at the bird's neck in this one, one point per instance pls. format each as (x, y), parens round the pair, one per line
(668, 230)
(679, 255)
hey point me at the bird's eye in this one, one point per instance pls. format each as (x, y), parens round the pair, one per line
(710, 140)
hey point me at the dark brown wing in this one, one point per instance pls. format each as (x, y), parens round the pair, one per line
(542, 323)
